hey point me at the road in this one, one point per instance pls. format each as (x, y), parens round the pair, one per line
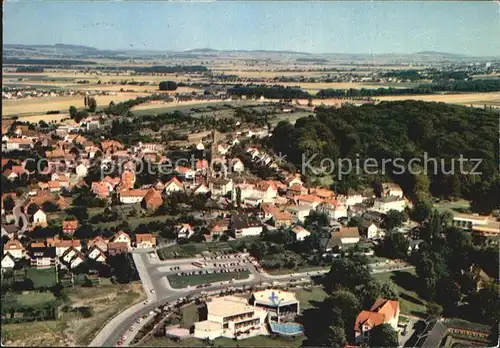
(153, 273)
(19, 215)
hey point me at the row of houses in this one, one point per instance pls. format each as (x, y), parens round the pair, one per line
(69, 253)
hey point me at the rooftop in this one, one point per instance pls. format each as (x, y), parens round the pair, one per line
(274, 297)
(228, 306)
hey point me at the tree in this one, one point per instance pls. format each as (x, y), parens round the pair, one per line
(422, 208)
(383, 336)
(80, 115)
(487, 302)
(92, 104)
(433, 309)
(448, 295)
(394, 219)
(348, 274)
(72, 111)
(168, 86)
(395, 246)
(430, 268)
(336, 337)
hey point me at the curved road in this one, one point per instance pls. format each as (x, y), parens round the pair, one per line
(18, 214)
(120, 324)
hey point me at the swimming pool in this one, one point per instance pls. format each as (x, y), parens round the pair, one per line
(289, 329)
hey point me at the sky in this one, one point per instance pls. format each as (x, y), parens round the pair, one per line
(471, 28)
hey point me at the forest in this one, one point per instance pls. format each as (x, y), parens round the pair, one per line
(491, 85)
(406, 130)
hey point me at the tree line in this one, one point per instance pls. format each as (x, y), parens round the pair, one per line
(486, 85)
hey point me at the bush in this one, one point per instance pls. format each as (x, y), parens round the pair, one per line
(168, 86)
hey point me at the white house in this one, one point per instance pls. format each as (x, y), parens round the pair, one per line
(293, 180)
(371, 231)
(69, 254)
(122, 237)
(299, 212)
(63, 245)
(200, 146)
(8, 261)
(185, 231)
(382, 312)
(385, 204)
(237, 165)
(145, 241)
(81, 170)
(77, 260)
(334, 209)
(40, 218)
(300, 233)
(351, 198)
(97, 254)
(201, 189)
(173, 185)
(15, 248)
(132, 196)
(222, 149)
(244, 226)
(220, 186)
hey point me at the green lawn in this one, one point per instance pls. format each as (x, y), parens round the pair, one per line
(189, 315)
(299, 269)
(35, 298)
(308, 298)
(183, 281)
(452, 206)
(405, 283)
(258, 341)
(46, 277)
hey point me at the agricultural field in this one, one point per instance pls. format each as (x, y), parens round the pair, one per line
(42, 105)
(73, 328)
(478, 99)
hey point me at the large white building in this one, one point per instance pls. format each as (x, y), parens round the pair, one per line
(277, 302)
(383, 205)
(231, 317)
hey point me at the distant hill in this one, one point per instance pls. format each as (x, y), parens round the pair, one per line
(443, 54)
(211, 50)
(76, 47)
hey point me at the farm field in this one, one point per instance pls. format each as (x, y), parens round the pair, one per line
(465, 98)
(72, 329)
(178, 282)
(42, 105)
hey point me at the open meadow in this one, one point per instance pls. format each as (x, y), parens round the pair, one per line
(72, 328)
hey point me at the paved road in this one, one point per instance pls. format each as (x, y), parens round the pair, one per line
(19, 215)
(152, 278)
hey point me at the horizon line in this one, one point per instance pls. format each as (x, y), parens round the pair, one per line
(256, 50)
